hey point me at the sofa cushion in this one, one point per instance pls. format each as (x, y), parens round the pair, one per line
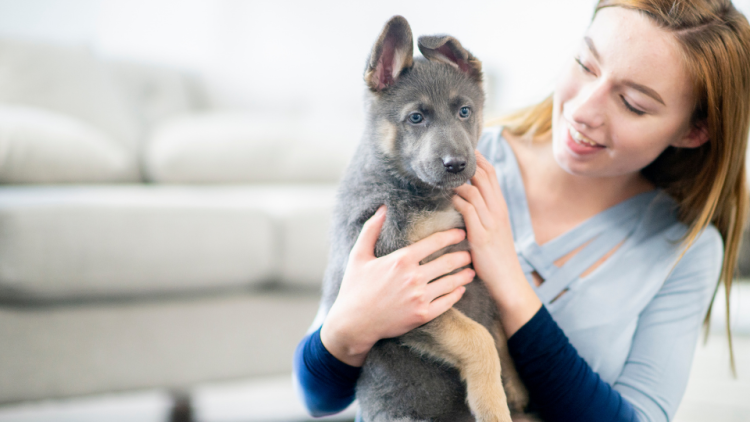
(73, 242)
(51, 352)
(41, 146)
(156, 93)
(69, 80)
(68, 242)
(236, 147)
(302, 214)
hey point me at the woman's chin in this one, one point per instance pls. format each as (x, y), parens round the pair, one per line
(571, 164)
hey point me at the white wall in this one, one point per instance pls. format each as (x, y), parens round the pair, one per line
(312, 54)
(308, 56)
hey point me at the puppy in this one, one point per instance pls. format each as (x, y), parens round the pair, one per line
(423, 122)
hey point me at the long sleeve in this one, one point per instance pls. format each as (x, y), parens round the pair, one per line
(657, 368)
(561, 384)
(325, 383)
(653, 379)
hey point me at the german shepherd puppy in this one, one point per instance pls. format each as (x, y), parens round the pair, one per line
(424, 119)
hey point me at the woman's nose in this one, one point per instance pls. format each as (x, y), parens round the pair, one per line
(588, 108)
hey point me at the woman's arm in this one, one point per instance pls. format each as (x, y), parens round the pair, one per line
(326, 384)
(560, 382)
(655, 374)
(379, 298)
(656, 371)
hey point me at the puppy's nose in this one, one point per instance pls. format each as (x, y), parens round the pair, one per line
(454, 165)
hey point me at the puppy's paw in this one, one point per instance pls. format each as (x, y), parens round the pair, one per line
(486, 397)
(518, 397)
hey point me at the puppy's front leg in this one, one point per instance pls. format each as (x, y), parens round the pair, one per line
(464, 343)
(518, 397)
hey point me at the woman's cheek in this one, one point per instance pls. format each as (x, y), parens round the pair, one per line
(568, 86)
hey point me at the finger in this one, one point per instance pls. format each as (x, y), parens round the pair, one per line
(445, 264)
(473, 195)
(443, 303)
(433, 243)
(471, 219)
(364, 247)
(488, 192)
(447, 284)
(485, 181)
(485, 165)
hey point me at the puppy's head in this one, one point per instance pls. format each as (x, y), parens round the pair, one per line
(425, 114)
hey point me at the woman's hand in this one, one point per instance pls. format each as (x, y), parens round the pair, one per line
(389, 296)
(492, 248)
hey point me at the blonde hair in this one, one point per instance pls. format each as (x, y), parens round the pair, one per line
(708, 182)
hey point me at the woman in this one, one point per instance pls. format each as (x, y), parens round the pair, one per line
(625, 197)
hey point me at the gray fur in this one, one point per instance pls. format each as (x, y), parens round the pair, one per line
(402, 166)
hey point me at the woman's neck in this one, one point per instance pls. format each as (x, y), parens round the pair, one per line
(558, 200)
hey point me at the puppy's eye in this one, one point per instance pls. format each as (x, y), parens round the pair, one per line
(416, 118)
(464, 112)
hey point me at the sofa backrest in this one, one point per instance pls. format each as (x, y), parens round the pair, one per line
(67, 116)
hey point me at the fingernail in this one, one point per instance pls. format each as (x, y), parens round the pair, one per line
(380, 211)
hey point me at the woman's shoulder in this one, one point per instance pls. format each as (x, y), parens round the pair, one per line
(703, 258)
(497, 145)
(492, 144)
(661, 233)
(661, 218)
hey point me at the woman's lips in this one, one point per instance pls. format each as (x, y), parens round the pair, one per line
(579, 144)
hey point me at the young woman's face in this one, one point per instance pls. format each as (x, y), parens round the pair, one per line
(624, 98)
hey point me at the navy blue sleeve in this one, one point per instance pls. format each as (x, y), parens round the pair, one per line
(561, 385)
(326, 383)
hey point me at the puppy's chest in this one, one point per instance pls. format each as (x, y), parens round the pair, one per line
(421, 224)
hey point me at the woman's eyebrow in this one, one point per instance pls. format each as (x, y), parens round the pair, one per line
(590, 43)
(638, 87)
(644, 89)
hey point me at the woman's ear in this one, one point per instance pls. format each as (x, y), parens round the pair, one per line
(695, 137)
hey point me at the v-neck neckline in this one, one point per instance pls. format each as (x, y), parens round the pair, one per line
(611, 229)
(522, 215)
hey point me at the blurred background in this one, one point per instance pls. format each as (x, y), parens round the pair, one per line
(168, 169)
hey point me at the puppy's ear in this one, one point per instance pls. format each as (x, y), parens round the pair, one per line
(391, 55)
(446, 49)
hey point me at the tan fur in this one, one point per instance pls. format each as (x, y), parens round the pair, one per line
(518, 396)
(403, 55)
(464, 343)
(429, 222)
(467, 345)
(370, 77)
(402, 58)
(387, 137)
(411, 107)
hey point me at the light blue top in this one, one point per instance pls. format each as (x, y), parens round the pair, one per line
(634, 319)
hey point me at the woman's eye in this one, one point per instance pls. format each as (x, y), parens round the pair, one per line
(580, 63)
(416, 118)
(631, 108)
(464, 112)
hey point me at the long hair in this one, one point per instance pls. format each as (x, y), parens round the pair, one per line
(708, 182)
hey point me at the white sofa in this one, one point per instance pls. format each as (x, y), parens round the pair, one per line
(147, 240)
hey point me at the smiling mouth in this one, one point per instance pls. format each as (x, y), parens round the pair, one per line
(582, 140)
